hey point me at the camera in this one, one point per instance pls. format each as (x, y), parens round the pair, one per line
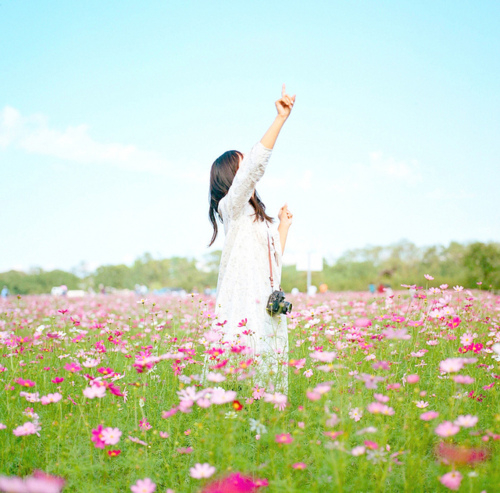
(276, 304)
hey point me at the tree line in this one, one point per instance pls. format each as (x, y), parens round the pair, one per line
(400, 263)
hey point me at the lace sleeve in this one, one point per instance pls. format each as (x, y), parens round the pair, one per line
(251, 169)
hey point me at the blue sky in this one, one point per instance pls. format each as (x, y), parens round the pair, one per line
(111, 114)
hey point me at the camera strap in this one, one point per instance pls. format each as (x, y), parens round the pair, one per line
(270, 264)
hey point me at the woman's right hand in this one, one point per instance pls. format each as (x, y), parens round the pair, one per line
(285, 104)
(285, 216)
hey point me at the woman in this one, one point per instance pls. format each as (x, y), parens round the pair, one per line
(244, 282)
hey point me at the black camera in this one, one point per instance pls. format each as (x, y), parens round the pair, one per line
(276, 304)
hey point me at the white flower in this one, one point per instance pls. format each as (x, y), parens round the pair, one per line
(421, 404)
(200, 471)
(360, 450)
(257, 426)
(356, 414)
(467, 421)
(215, 377)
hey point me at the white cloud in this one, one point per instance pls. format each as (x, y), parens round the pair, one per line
(33, 134)
(404, 171)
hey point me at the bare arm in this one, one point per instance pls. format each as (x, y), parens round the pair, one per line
(284, 107)
(285, 217)
(283, 231)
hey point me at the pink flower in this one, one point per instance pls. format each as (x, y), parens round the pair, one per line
(47, 399)
(299, 465)
(465, 379)
(284, 438)
(57, 380)
(143, 486)
(164, 434)
(412, 378)
(429, 415)
(94, 391)
(200, 471)
(111, 436)
(451, 365)
(362, 322)
(313, 396)
(428, 277)
(451, 480)
(379, 408)
(381, 397)
(137, 440)
(447, 429)
(170, 413)
(27, 428)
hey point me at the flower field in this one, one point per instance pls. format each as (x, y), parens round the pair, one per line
(385, 393)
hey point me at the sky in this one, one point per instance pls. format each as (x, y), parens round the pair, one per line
(112, 113)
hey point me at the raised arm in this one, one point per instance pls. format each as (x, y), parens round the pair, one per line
(253, 165)
(251, 169)
(284, 107)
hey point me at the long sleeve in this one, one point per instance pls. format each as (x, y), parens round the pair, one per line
(251, 170)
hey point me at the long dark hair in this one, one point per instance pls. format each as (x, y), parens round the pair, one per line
(222, 175)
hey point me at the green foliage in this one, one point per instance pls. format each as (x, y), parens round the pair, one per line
(401, 263)
(37, 281)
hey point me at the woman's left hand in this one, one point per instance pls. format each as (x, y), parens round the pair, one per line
(285, 216)
(285, 104)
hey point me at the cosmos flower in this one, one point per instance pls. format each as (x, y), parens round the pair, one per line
(447, 429)
(451, 480)
(110, 436)
(200, 471)
(143, 486)
(284, 438)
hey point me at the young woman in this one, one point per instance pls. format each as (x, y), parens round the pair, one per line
(244, 283)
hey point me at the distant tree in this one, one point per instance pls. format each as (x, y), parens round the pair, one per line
(482, 261)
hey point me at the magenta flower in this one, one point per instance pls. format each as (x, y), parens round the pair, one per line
(284, 438)
(235, 483)
(144, 425)
(97, 437)
(24, 383)
(57, 380)
(72, 367)
(143, 486)
(447, 429)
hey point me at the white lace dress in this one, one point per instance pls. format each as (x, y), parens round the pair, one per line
(243, 286)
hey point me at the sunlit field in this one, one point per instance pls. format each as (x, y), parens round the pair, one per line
(112, 394)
